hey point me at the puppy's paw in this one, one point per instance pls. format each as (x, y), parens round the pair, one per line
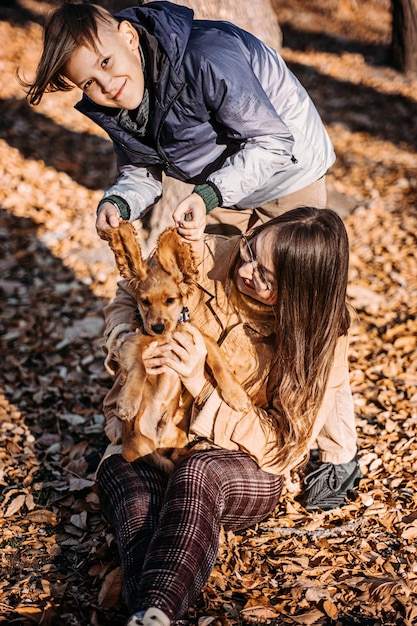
(126, 409)
(236, 398)
(129, 453)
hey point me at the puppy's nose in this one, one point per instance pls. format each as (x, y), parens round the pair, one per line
(158, 329)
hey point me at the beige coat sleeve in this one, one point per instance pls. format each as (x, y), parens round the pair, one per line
(118, 318)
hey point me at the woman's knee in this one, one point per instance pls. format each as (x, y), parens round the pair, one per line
(200, 466)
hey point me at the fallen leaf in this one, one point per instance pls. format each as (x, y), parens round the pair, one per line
(111, 589)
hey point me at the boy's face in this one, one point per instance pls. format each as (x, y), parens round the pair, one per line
(112, 76)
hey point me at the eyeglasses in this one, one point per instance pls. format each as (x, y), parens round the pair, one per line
(260, 281)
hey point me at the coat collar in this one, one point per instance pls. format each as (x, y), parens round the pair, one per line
(214, 268)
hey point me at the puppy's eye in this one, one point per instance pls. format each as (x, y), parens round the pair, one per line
(145, 302)
(169, 301)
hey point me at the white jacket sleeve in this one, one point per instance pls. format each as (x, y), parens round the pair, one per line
(251, 168)
(266, 144)
(139, 187)
(283, 144)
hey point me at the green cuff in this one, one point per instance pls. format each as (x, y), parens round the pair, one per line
(210, 194)
(118, 202)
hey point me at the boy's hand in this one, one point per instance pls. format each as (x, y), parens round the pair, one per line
(108, 216)
(190, 217)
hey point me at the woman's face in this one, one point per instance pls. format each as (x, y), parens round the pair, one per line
(255, 276)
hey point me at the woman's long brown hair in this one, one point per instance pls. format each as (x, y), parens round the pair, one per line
(310, 256)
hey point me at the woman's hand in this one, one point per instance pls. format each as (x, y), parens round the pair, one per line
(187, 356)
(154, 358)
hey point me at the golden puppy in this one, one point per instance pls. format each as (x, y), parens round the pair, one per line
(152, 408)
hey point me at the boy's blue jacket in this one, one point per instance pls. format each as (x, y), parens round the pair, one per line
(226, 110)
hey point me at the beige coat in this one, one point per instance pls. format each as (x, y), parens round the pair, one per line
(248, 344)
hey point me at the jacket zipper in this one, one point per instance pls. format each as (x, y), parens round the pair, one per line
(165, 162)
(158, 134)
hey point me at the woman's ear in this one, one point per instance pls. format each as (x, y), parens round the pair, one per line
(129, 33)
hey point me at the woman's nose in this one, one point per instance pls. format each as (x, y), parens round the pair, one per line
(246, 270)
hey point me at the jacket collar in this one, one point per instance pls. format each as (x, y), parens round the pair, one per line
(169, 23)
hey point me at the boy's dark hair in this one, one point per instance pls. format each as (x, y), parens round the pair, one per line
(72, 25)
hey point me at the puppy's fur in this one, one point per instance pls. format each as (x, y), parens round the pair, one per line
(154, 416)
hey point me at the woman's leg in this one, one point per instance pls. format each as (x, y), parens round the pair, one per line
(207, 490)
(228, 222)
(131, 496)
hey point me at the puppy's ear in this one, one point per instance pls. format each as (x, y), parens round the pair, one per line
(127, 252)
(176, 256)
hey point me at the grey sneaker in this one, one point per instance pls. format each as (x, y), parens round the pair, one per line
(150, 617)
(327, 487)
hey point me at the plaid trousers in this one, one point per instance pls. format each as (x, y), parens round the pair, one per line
(168, 528)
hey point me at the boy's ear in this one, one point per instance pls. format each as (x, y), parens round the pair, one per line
(129, 33)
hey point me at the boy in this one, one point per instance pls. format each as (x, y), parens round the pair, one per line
(203, 101)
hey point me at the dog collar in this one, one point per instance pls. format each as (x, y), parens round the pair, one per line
(184, 315)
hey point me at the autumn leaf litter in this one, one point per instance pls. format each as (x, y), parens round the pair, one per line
(356, 564)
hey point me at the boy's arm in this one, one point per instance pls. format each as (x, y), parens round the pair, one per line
(134, 192)
(267, 147)
(244, 108)
(260, 104)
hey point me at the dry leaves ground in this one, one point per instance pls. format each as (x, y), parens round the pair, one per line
(354, 565)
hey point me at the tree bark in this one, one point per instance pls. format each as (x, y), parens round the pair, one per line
(404, 35)
(256, 16)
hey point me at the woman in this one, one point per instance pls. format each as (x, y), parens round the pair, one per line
(275, 301)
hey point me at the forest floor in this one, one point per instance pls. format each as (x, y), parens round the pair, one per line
(59, 563)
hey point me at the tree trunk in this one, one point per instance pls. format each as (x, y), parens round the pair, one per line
(404, 35)
(256, 16)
